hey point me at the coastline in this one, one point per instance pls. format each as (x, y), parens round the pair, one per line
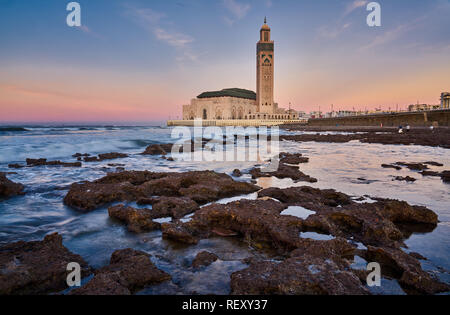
(233, 250)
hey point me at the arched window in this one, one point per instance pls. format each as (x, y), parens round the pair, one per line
(205, 114)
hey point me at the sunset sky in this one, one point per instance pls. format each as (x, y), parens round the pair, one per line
(140, 60)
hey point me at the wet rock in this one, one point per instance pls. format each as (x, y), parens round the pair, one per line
(204, 259)
(317, 268)
(8, 188)
(407, 269)
(445, 175)
(257, 221)
(405, 179)
(284, 171)
(435, 138)
(385, 222)
(417, 256)
(128, 272)
(16, 166)
(202, 187)
(174, 207)
(237, 173)
(295, 159)
(146, 201)
(180, 232)
(44, 162)
(105, 156)
(79, 155)
(432, 163)
(395, 167)
(308, 196)
(137, 220)
(413, 166)
(36, 267)
(430, 173)
(36, 162)
(158, 149)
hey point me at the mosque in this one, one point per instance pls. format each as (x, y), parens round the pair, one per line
(235, 104)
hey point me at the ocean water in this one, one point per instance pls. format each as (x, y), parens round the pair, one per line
(352, 168)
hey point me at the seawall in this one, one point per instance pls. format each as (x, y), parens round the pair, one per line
(437, 118)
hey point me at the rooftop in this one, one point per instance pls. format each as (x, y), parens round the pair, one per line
(239, 93)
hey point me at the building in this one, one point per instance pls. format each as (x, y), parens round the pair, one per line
(422, 107)
(445, 100)
(240, 104)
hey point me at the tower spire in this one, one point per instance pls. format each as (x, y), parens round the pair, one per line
(265, 20)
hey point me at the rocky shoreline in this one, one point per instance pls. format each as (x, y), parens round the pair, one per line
(424, 137)
(374, 232)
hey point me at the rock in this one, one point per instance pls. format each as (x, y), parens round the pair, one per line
(158, 149)
(307, 196)
(204, 259)
(295, 159)
(137, 220)
(284, 171)
(436, 138)
(8, 188)
(16, 166)
(36, 162)
(417, 256)
(385, 222)
(316, 269)
(44, 162)
(406, 179)
(237, 173)
(407, 269)
(36, 267)
(179, 232)
(413, 166)
(174, 207)
(201, 187)
(430, 173)
(105, 156)
(78, 155)
(391, 166)
(128, 272)
(445, 175)
(257, 221)
(146, 201)
(433, 163)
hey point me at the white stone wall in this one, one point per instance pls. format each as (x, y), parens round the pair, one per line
(219, 108)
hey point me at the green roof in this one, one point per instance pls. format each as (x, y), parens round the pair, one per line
(239, 93)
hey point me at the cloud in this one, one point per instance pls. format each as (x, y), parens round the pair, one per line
(239, 10)
(355, 5)
(153, 21)
(332, 32)
(236, 9)
(173, 39)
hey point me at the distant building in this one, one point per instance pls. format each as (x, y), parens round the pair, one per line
(236, 104)
(445, 100)
(422, 107)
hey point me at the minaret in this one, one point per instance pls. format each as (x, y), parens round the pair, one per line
(264, 75)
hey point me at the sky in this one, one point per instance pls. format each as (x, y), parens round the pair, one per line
(141, 60)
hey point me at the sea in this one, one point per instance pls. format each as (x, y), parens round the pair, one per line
(353, 168)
